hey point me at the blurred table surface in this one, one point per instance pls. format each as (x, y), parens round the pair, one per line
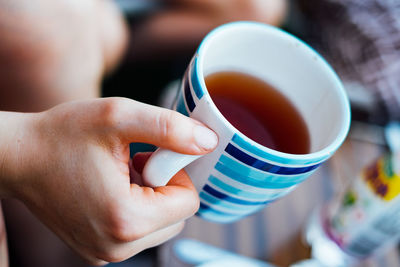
(275, 233)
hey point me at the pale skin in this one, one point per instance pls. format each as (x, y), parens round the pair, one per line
(70, 164)
(79, 183)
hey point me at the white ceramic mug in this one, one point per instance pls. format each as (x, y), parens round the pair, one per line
(240, 176)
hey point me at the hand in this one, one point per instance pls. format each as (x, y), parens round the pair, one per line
(69, 165)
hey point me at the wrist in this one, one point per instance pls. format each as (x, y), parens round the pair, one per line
(16, 133)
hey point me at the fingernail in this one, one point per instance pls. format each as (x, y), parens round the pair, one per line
(205, 138)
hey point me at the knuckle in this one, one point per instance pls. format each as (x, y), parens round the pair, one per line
(110, 111)
(96, 262)
(122, 229)
(121, 233)
(106, 252)
(179, 228)
(112, 255)
(165, 124)
(194, 203)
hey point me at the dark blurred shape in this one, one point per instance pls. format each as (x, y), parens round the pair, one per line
(361, 39)
(144, 80)
(165, 35)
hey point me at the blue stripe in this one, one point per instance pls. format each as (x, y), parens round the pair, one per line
(207, 207)
(256, 174)
(245, 145)
(180, 105)
(223, 196)
(264, 166)
(195, 80)
(209, 216)
(238, 192)
(208, 213)
(235, 208)
(188, 95)
(244, 179)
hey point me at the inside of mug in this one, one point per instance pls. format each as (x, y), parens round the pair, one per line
(289, 65)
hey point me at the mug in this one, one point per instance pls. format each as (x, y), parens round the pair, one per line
(241, 176)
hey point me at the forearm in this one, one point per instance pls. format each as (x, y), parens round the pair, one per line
(14, 133)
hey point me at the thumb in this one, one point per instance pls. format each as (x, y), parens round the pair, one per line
(139, 122)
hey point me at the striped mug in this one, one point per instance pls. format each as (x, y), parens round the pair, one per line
(241, 176)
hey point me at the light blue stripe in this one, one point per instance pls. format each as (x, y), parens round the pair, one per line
(180, 105)
(238, 192)
(195, 81)
(245, 145)
(251, 173)
(234, 209)
(244, 179)
(216, 217)
(211, 214)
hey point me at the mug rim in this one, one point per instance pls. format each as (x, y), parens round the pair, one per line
(321, 154)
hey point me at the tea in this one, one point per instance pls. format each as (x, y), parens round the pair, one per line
(259, 111)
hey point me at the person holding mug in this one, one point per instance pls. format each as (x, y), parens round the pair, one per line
(69, 164)
(70, 167)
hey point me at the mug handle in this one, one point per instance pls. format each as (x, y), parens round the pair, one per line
(163, 164)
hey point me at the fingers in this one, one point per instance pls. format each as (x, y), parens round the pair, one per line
(164, 205)
(117, 251)
(123, 251)
(156, 238)
(162, 235)
(137, 122)
(161, 206)
(160, 218)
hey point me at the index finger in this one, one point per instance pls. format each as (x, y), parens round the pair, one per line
(157, 208)
(138, 122)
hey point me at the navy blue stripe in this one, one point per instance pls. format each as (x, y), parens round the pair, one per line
(243, 144)
(264, 166)
(255, 174)
(195, 81)
(225, 197)
(188, 95)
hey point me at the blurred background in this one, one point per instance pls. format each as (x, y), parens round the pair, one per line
(359, 38)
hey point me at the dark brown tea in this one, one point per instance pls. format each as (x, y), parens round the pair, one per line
(259, 111)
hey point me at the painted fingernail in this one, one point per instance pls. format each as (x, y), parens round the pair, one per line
(205, 138)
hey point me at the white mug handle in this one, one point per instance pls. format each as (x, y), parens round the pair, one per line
(163, 164)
